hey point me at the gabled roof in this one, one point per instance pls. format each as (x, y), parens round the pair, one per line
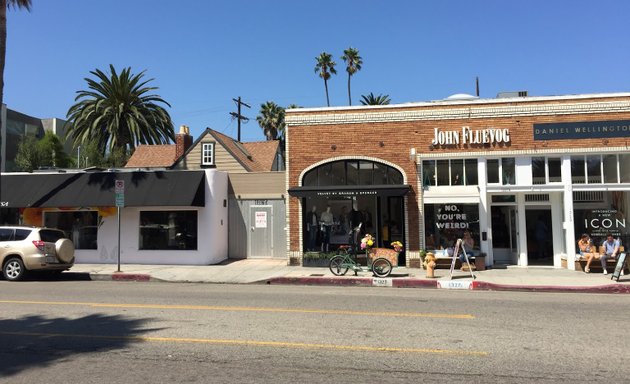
(257, 156)
(152, 156)
(263, 152)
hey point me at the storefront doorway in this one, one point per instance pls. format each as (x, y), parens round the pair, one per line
(539, 240)
(504, 235)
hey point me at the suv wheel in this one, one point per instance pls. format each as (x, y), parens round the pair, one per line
(13, 269)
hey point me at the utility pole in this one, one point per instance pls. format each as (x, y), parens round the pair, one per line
(237, 115)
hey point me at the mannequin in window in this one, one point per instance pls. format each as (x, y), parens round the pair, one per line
(355, 219)
(312, 221)
(327, 221)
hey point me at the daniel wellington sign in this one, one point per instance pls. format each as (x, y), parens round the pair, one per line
(468, 136)
(582, 130)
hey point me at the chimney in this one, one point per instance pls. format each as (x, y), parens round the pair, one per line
(183, 141)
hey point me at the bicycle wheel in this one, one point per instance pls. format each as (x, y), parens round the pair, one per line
(337, 265)
(381, 267)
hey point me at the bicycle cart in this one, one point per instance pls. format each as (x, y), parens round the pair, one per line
(379, 260)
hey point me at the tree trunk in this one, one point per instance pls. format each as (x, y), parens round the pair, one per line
(349, 95)
(3, 50)
(326, 86)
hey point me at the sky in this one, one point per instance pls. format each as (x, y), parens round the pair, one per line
(202, 54)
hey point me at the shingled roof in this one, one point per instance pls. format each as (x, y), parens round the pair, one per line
(152, 156)
(257, 156)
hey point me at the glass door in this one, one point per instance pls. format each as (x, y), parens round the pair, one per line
(504, 234)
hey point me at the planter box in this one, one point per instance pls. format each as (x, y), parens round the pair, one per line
(315, 262)
(386, 253)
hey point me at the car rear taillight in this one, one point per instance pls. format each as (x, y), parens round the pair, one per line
(40, 245)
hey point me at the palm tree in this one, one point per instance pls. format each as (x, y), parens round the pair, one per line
(4, 4)
(353, 65)
(271, 120)
(118, 112)
(375, 100)
(325, 67)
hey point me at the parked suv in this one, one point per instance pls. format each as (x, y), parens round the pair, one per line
(24, 249)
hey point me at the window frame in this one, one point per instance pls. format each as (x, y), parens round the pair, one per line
(433, 180)
(204, 155)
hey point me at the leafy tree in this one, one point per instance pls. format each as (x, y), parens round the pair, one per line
(52, 152)
(271, 120)
(353, 65)
(28, 157)
(375, 100)
(93, 156)
(34, 153)
(118, 111)
(325, 67)
(4, 4)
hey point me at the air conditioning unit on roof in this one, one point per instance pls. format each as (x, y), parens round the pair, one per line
(505, 95)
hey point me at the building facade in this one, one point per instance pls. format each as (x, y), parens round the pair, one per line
(523, 176)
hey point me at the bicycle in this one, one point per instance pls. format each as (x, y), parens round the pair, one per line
(341, 263)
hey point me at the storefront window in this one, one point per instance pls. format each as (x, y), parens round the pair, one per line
(602, 215)
(554, 165)
(538, 170)
(508, 171)
(624, 168)
(457, 172)
(546, 170)
(493, 171)
(472, 178)
(163, 230)
(610, 168)
(443, 172)
(445, 223)
(352, 172)
(428, 173)
(449, 172)
(80, 226)
(578, 170)
(594, 169)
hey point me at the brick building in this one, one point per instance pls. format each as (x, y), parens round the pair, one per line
(524, 176)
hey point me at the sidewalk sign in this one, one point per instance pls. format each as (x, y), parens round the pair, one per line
(459, 247)
(621, 263)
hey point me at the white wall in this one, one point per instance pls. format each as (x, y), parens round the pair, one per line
(212, 235)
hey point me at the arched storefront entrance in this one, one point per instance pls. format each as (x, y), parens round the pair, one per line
(336, 196)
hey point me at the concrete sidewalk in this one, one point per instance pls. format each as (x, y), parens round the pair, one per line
(276, 271)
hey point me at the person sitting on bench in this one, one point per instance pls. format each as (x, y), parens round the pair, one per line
(587, 250)
(611, 249)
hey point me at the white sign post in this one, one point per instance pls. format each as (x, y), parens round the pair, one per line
(119, 190)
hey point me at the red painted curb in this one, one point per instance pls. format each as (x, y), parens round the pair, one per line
(130, 277)
(610, 288)
(312, 280)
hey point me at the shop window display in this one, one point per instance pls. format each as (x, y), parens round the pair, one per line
(80, 226)
(163, 230)
(445, 223)
(598, 218)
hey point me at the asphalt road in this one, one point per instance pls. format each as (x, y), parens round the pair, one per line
(109, 332)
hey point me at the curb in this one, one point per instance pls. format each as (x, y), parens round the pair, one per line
(609, 288)
(121, 276)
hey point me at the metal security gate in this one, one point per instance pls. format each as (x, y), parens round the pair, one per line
(261, 231)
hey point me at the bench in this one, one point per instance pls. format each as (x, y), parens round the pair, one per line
(596, 264)
(476, 262)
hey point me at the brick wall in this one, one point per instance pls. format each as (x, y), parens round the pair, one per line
(391, 141)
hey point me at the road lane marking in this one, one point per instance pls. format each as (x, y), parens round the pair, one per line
(250, 309)
(280, 344)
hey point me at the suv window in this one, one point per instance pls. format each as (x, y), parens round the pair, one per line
(21, 234)
(51, 236)
(6, 234)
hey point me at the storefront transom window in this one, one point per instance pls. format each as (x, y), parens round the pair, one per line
(352, 172)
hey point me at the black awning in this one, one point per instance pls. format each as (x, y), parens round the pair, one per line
(96, 189)
(350, 190)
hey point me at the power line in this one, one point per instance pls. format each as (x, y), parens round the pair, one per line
(237, 115)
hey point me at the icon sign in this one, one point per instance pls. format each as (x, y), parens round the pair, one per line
(119, 186)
